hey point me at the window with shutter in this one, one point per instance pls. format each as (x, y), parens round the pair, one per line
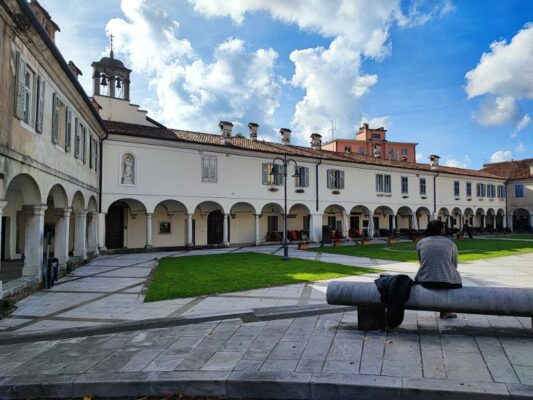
(209, 169)
(76, 139)
(96, 159)
(264, 172)
(387, 186)
(83, 143)
(91, 160)
(55, 117)
(19, 91)
(340, 182)
(40, 104)
(68, 129)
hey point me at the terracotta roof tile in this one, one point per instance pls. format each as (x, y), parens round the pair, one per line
(121, 128)
(511, 169)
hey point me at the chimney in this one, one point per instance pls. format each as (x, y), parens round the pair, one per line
(253, 130)
(316, 141)
(45, 19)
(285, 135)
(225, 128)
(75, 70)
(434, 159)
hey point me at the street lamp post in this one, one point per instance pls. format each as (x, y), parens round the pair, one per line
(285, 162)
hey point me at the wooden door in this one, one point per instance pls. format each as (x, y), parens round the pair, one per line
(114, 227)
(215, 226)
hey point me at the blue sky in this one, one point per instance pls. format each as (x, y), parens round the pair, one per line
(302, 64)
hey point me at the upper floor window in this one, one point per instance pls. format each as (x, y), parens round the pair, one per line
(501, 192)
(302, 177)
(383, 183)
(481, 190)
(405, 152)
(491, 191)
(456, 188)
(347, 149)
(519, 191)
(335, 179)
(68, 129)
(468, 189)
(77, 139)
(28, 96)
(272, 174)
(361, 150)
(209, 169)
(376, 136)
(83, 144)
(405, 185)
(423, 186)
(93, 153)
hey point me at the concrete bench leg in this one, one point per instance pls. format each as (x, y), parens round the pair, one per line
(371, 318)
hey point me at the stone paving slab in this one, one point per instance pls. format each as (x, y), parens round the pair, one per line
(312, 357)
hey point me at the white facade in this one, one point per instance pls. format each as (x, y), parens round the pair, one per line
(49, 153)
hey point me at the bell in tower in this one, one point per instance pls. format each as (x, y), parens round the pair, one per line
(111, 78)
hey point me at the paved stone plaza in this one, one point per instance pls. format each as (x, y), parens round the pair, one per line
(319, 356)
(309, 357)
(110, 289)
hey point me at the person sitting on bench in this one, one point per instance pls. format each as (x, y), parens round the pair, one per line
(438, 262)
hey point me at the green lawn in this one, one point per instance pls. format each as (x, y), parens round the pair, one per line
(469, 250)
(525, 236)
(177, 277)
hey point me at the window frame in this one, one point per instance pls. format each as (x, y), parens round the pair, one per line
(335, 179)
(456, 188)
(28, 93)
(209, 168)
(298, 179)
(517, 192)
(469, 189)
(161, 223)
(422, 184)
(405, 184)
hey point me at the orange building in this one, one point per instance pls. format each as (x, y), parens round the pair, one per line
(374, 143)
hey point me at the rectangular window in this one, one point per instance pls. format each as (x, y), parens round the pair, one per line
(55, 118)
(376, 136)
(68, 129)
(302, 178)
(468, 189)
(76, 139)
(501, 192)
(362, 150)
(164, 228)
(423, 186)
(83, 144)
(39, 105)
(272, 174)
(481, 190)
(456, 188)
(209, 169)
(387, 184)
(335, 179)
(405, 185)
(347, 149)
(491, 191)
(405, 152)
(96, 159)
(91, 153)
(379, 183)
(28, 96)
(519, 191)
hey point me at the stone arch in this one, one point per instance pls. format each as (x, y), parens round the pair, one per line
(359, 221)
(479, 218)
(209, 221)
(423, 215)
(92, 205)
(384, 220)
(169, 224)
(335, 221)
(298, 222)
(242, 223)
(271, 223)
(125, 223)
(456, 218)
(78, 202)
(521, 220)
(56, 222)
(23, 220)
(405, 220)
(57, 196)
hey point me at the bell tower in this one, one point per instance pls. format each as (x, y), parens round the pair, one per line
(111, 78)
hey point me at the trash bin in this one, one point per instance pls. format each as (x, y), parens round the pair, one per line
(51, 272)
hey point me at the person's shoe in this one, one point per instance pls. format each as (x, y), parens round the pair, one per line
(447, 315)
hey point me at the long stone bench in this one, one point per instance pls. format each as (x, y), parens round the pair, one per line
(517, 302)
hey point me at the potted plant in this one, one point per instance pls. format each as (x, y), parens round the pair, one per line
(366, 240)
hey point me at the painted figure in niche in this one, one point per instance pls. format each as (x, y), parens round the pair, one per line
(127, 170)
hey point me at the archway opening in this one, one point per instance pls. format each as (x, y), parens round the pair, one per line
(271, 225)
(125, 224)
(359, 219)
(521, 220)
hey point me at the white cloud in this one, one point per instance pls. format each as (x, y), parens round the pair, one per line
(505, 70)
(193, 93)
(505, 73)
(332, 77)
(420, 157)
(522, 124)
(498, 111)
(376, 122)
(452, 162)
(520, 148)
(501, 155)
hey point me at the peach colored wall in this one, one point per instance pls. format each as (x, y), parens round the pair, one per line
(340, 144)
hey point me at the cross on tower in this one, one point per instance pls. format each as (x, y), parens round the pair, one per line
(111, 44)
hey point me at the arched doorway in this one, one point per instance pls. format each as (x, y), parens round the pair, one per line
(384, 222)
(521, 220)
(244, 224)
(125, 224)
(422, 218)
(359, 221)
(215, 227)
(271, 225)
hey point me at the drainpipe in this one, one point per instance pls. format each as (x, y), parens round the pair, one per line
(506, 216)
(316, 182)
(100, 161)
